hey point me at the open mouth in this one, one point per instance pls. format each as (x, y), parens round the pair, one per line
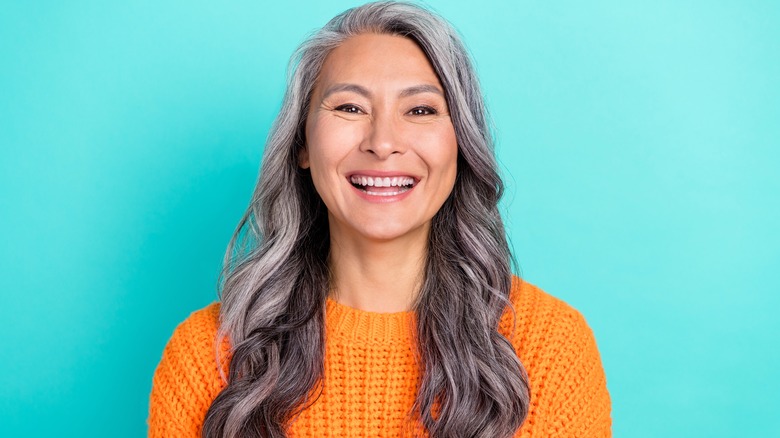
(383, 186)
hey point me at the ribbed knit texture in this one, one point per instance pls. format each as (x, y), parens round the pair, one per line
(371, 377)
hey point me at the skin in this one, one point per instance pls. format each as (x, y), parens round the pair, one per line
(379, 106)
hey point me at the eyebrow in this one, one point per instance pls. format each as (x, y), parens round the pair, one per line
(424, 88)
(363, 91)
(355, 88)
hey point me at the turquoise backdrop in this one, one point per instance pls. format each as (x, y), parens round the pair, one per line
(640, 142)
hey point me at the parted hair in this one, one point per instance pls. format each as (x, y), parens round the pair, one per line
(275, 277)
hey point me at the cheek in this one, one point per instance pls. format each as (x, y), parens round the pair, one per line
(441, 154)
(323, 163)
(328, 143)
(328, 135)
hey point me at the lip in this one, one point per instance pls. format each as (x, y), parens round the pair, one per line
(382, 173)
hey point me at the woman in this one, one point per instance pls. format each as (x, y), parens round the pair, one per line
(367, 290)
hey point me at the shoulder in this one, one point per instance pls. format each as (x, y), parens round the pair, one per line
(194, 341)
(533, 313)
(192, 346)
(544, 328)
(202, 325)
(195, 337)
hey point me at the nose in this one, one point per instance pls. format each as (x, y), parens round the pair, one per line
(384, 137)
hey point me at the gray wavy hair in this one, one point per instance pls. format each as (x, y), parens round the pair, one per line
(275, 277)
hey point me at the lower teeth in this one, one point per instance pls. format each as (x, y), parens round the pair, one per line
(372, 193)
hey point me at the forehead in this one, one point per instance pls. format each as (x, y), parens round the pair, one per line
(378, 59)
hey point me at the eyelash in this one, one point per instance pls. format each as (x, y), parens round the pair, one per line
(348, 107)
(354, 109)
(430, 110)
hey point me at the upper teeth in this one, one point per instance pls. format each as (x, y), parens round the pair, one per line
(396, 181)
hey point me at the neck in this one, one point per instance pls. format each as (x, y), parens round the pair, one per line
(377, 276)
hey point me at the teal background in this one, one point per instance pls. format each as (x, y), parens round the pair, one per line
(639, 141)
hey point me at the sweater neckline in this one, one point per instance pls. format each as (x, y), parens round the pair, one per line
(358, 325)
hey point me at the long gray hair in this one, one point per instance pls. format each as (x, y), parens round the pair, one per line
(275, 277)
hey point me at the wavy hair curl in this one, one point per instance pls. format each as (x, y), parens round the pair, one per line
(275, 276)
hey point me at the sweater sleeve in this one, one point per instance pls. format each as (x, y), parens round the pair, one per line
(580, 403)
(187, 378)
(569, 396)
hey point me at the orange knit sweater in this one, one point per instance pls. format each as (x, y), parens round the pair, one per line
(370, 376)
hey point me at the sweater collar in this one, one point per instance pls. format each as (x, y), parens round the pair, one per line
(352, 324)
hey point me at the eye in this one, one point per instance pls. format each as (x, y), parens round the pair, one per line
(349, 108)
(422, 111)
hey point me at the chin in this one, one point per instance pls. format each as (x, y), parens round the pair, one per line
(383, 234)
(387, 232)
(378, 228)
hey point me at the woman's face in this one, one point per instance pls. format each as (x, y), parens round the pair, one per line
(379, 139)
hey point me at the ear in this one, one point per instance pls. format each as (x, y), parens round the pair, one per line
(303, 157)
